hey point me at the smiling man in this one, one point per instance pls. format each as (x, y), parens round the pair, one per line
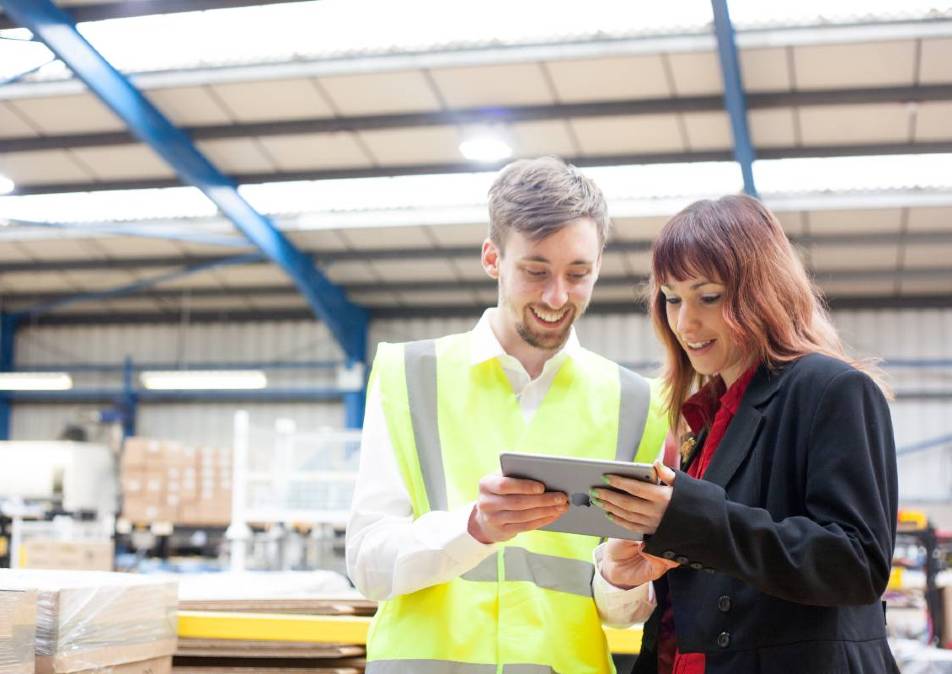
(467, 582)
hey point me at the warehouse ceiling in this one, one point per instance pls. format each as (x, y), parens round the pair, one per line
(301, 133)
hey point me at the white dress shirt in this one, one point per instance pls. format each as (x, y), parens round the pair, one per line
(389, 553)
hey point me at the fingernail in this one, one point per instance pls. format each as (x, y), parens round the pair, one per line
(606, 479)
(609, 516)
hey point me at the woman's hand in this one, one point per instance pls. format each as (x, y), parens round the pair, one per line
(635, 505)
(625, 565)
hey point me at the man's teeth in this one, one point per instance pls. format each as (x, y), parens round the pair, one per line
(549, 316)
(699, 345)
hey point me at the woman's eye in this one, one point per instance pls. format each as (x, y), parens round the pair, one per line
(710, 299)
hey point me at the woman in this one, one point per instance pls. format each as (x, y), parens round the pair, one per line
(773, 547)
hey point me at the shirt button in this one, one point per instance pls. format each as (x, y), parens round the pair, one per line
(682, 560)
(724, 604)
(724, 639)
(668, 554)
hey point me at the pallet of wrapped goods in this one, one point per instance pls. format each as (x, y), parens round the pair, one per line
(281, 668)
(99, 622)
(17, 632)
(240, 648)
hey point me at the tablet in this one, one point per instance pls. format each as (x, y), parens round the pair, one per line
(575, 477)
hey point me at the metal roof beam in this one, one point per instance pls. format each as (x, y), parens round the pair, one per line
(734, 93)
(51, 301)
(793, 152)
(835, 302)
(346, 321)
(687, 104)
(451, 252)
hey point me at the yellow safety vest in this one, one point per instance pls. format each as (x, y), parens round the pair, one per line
(527, 609)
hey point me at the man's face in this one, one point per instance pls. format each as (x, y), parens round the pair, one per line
(545, 285)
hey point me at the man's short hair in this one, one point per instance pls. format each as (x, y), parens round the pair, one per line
(537, 197)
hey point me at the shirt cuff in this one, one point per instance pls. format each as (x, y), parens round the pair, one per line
(461, 546)
(618, 606)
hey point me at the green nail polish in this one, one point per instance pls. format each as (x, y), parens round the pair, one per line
(605, 479)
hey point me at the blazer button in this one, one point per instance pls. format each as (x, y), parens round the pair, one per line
(682, 560)
(724, 604)
(697, 566)
(724, 639)
(668, 554)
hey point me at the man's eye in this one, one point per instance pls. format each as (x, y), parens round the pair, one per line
(673, 300)
(535, 272)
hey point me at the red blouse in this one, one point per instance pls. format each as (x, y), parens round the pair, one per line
(698, 410)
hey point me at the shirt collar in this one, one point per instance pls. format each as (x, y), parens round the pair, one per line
(484, 344)
(700, 408)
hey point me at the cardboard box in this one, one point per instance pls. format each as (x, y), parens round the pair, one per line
(88, 620)
(161, 665)
(138, 452)
(17, 632)
(947, 616)
(44, 553)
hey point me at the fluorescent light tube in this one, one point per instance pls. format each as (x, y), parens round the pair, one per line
(180, 380)
(35, 381)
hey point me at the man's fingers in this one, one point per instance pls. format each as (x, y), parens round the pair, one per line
(493, 503)
(499, 484)
(507, 517)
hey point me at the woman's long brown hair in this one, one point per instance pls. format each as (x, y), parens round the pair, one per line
(772, 307)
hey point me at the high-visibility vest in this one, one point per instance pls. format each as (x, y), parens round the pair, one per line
(528, 608)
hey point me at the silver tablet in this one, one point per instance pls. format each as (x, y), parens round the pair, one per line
(575, 477)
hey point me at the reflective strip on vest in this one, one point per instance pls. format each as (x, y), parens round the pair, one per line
(420, 359)
(449, 667)
(548, 571)
(633, 413)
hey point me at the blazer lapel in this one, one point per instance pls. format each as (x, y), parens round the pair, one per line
(742, 431)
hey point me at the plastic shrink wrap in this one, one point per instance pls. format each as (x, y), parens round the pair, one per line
(98, 621)
(17, 631)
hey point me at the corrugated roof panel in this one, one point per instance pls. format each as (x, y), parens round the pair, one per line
(927, 255)
(273, 99)
(188, 106)
(933, 121)
(695, 73)
(825, 258)
(620, 77)
(630, 134)
(413, 146)
(516, 84)
(936, 65)
(876, 64)
(43, 166)
(871, 220)
(316, 150)
(773, 128)
(13, 124)
(926, 219)
(708, 130)
(380, 93)
(68, 114)
(237, 155)
(399, 270)
(121, 162)
(844, 124)
(765, 69)
(532, 139)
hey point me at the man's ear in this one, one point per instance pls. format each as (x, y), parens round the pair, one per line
(490, 258)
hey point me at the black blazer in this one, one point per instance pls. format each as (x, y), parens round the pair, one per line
(786, 544)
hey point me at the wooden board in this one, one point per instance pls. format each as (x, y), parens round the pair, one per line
(312, 605)
(265, 649)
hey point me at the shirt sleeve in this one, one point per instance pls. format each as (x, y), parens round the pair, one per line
(618, 607)
(389, 553)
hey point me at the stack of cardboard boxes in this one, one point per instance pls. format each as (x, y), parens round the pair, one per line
(50, 553)
(17, 631)
(164, 481)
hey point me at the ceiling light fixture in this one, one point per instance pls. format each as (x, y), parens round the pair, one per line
(485, 148)
(6, 185)
(35, 381)
(193, 380)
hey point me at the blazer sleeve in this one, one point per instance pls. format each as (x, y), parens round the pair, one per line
(839, 550)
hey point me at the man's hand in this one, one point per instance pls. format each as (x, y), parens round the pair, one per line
(507, 506)
(625, 565)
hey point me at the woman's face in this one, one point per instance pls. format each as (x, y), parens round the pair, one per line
(695, 312)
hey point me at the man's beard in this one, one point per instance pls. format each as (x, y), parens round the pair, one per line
(548, 341)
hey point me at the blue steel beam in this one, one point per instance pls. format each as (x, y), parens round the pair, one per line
(8, 334)
(131, 288)
(346, 321)
(734, 98)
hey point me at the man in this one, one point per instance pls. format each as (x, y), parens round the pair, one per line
(470, 584)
